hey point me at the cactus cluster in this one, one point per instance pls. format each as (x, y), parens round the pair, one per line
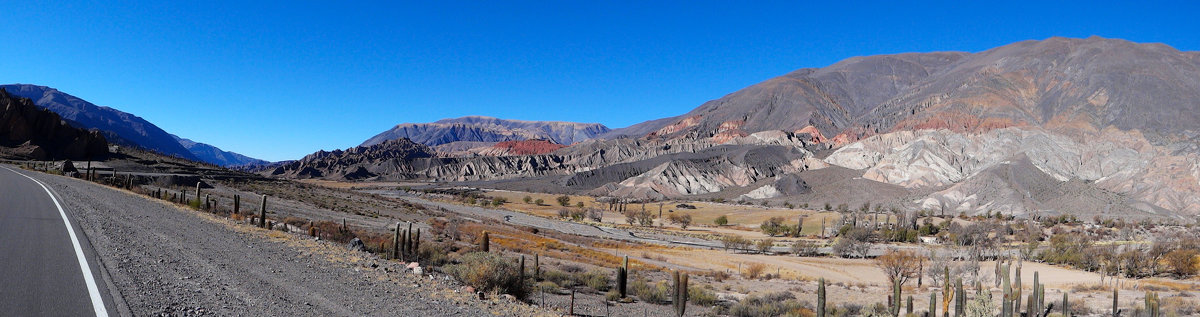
(622, 276)
(406, 244)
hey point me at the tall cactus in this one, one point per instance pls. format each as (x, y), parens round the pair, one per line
(1066, 307)
(537, 267)
(909, 310)
(932, 304)
(237, 204)
(947, 293)
(521, 270)
(679, 299)
(1017, 292)
(198, 194)
(396, 243)
(1006, 302)
(960, 298)
(1115, 310)
(262, 210)
(622, 276)
(821, 297)
(895, 299)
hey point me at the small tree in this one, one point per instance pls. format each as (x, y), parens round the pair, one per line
(1182, 262)
(498, 201)
(595, 214)
(805, 248)
(898, 266)
(775, 227)
(579, 204)
(683, 220)
(527, 199)
(564, 200)
(539, 202)
(764, 245)
(721, 221)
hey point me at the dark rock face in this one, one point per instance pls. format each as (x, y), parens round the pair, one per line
(487, 129)
(393, 157)
(39, 134)
(122, 128)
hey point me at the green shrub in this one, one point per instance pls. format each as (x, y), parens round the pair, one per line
(770, 304)
(658, 293)
(702, 296)
(489, 272)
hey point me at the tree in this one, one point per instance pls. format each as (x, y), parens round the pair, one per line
(805, 247)
(683, 220)
(721, 221)
(539, 202)
(775, 227)
(595, 214)
(735, 242)
(564, 200)
(642, 218)
(898, 265)
(764, 245)
(527, 199)
(579, 204)
(497, 201)
(1182, 262)
(855, 242)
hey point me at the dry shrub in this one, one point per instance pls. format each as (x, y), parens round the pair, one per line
(659, 293)
(489, 272)
(754, 270)
(770, 304)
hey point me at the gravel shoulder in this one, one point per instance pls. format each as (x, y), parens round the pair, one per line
(166, 260)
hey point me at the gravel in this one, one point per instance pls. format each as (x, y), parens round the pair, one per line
(169, 261)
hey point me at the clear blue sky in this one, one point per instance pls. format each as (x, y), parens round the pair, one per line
(281, 80)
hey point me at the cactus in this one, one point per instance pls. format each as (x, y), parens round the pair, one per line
(1006, 301)
(1115, 311)
(521, 270)
(622, 275)
(679, 299)
(896, 299)
(484, 243)
(396, 242)
(416, 245)
(262, 210)
(237, 204)
(821, 298)
(960, 298)
(1041, 296)
(197, 191)
(537, 267)
(947, 293)
(1017, 292)
(207, 202)
(932, 304)
(1066, 307)
(403, 255)
(909, 310)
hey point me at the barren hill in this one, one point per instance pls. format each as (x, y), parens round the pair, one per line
(487, 129)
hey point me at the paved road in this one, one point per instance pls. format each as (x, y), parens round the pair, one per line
(44, 268)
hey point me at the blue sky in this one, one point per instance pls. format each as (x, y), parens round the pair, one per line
(281, 80)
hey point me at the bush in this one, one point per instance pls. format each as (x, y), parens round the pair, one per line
(770, 304)
(539, 202)
(564, 200)
(721, 221)
(682, 220)
(775, 227)
(764, 245)
(659, 293)
(527, 199)
(489, 272)
(754, 270)
(735, 242)
(701, 296)
(806, 248)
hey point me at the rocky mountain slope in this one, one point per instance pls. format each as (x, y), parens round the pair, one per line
(29, 132)
(487, 129)
(215, 155)
(124, 128)
(1084, 126)
(392, 157)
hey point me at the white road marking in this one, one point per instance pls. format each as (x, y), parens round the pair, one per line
(97, 301)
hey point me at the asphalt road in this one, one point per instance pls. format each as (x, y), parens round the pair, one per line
(45, 269)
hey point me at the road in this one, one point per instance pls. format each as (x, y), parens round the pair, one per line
(47, 267)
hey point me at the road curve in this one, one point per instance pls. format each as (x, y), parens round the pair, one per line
(44, 269)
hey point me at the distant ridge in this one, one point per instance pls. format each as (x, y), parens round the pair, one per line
(488, 129)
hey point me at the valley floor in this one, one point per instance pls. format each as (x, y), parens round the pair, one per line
(166, 260)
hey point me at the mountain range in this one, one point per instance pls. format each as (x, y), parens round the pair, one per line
(124, 128)
(1089, 126)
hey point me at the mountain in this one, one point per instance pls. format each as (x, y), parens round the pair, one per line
(215, 155)
(487, 129)
(1094, 127)
(30, 132)
(120, 127)
(124, 128)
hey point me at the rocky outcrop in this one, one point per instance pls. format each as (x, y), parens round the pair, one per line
(394, 157)
(1121, 162)
(32, 133)
(487, 129)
